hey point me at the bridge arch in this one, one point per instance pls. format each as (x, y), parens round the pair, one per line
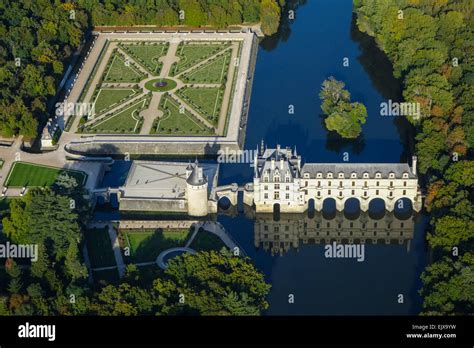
(377, 208)
(403, 208)
(329, 208)
(352, 208)
(224, 203)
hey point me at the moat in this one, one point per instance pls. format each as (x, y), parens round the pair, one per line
(291, 66)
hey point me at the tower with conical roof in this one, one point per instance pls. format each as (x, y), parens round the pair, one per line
(197, 190)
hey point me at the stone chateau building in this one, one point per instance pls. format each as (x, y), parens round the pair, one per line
(283, 183)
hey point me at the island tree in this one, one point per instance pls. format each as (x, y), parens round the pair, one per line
(344, 117)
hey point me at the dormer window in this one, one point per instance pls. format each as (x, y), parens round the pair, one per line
(405, 175)
(306, 175)
(319, 175)
(378, 175)
(330, 175)
(365, 175)
(391, 175)
(341, 175)
(353, 175)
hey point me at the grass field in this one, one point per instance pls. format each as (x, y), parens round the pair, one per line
(206, 101)
(110, 96)
(120, 72)
(145, 246)
(30, 175)
(174, 122)
(99, 248)
(212, 72)
(191, 54)
(126, 121)
(147, 55)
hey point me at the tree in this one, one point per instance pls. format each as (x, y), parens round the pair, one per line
(344, 117)
(449, 286)
(217, 283)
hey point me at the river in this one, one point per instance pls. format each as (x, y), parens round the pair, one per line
(291, 65)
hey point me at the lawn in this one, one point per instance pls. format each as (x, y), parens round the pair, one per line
(30, 175)
(110, 96)
(206, 101)
(126, 121)
(176, 123)
(120, 72)
(146, 245)
(190, 54)
(211, 72)
(206, 241)
(99, 248)
(147, 55)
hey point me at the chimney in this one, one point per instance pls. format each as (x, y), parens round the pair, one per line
(413, 164)
(299, 162)
(273, 163)
(281, 163)
(278, 148)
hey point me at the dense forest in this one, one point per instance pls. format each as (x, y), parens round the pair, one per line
(38, 38)
(431, 48)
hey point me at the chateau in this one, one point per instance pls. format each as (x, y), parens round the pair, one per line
(282, 182)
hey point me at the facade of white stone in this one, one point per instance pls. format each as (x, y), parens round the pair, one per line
(281, 182)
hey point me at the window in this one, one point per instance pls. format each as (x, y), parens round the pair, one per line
(340, 193)
(365, 183)
(353, 192)
(277, 186)
(330, 175)
(405, 175)
(404, 183)
(391, 183)
(340, 183)
(265, 228)
(329, 192)
(391, 193)
(265, 196)
(391, 175)
(404, 192)
(287, 196)
(276, 195)
(265, 179)
(276, 179)
(319, 193)
(365, 193)
(319, 183)
(329, 183)
(378, 175)
(341, 175)
(305, 192)
(353, 183)
(376, 192)
(378, 183)
(265, 187)
(353, 175)
(366, 175)
(306, 183)
(287, 187)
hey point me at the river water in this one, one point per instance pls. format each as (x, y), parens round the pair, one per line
(291, 65)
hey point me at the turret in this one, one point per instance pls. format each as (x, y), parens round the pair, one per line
(196, 189)
(413, 164)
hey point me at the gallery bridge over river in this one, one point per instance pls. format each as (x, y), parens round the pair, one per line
(281, 183)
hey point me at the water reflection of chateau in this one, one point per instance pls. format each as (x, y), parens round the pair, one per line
(290, 230)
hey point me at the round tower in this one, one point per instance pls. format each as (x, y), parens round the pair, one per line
(196, 190)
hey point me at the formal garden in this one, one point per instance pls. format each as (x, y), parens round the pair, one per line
(159, 87)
